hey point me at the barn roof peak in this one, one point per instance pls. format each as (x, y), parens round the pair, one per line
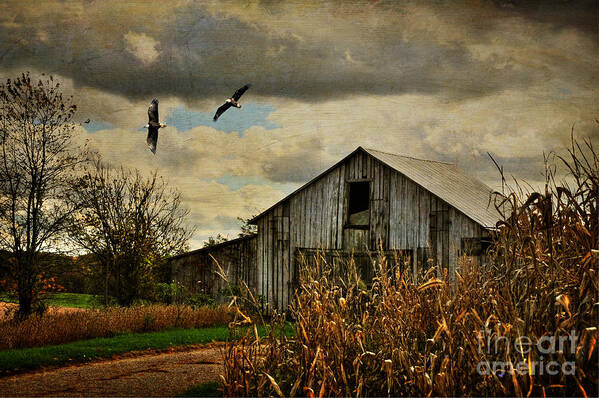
(445, 180)
(369, 150)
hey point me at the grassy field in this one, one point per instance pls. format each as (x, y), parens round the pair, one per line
(73, 300)
(86, 350)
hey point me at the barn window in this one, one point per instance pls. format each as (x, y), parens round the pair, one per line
(359, 203)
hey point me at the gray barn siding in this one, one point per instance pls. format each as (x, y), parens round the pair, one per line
(314, 218)
(410, 223)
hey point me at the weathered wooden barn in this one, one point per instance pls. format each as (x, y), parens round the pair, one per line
(428, 211)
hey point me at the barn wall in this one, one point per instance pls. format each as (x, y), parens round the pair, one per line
(314, 217)
(412, 211)
(197, 270)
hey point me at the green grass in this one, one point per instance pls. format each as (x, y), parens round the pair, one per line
(209, 389)
(86, 350)
(75, 300)
(8, 298)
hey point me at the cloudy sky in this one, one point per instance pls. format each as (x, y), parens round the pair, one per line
(442, 80)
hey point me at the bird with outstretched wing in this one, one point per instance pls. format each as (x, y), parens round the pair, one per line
(232, 101)
(153, 126)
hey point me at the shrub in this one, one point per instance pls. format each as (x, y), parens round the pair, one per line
(169, 293)
(200, 300)
(230, 290)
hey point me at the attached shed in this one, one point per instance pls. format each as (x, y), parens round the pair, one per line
(198, 272)
(425, 209)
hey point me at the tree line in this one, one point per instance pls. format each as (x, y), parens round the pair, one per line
(57, 195)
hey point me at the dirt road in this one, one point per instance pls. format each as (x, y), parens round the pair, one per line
(155, 375)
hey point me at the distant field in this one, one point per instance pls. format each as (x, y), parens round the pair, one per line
(74, 300)
(86, 350)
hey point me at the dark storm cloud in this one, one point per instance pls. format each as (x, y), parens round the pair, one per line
(202, 55)
(579, 14)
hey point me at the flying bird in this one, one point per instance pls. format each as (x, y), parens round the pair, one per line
(87, 121)
(231, 102)
(153, 125)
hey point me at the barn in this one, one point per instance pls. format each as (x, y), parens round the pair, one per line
(428, 211)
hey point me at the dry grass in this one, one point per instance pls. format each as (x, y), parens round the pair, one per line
(58, 327)
(407, 336)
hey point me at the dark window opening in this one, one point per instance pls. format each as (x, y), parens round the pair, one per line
(475, 246)
(359, 203)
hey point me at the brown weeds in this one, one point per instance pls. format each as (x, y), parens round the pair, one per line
(63, 327)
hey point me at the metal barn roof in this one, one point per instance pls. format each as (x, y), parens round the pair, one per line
(444, 180)
(212, 247)
(448, 182)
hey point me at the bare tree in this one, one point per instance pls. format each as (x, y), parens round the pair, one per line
(215, 240)
(129, 222)
(38, 162)
(247, 229)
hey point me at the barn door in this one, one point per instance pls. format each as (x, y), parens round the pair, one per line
(355, 239)
(439, 237)
(279, 260)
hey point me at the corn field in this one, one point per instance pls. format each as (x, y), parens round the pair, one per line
(524, 324)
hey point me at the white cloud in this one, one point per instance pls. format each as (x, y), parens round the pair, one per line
(142, 46)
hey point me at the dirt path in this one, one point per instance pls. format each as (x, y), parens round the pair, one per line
(155, 375)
